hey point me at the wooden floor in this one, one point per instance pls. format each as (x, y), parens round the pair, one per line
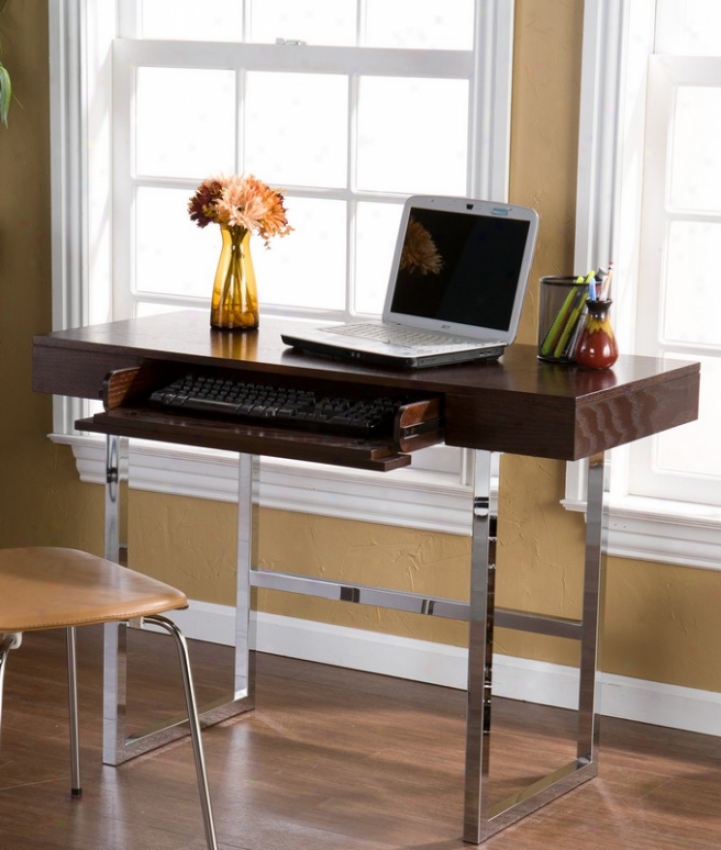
(331, 760)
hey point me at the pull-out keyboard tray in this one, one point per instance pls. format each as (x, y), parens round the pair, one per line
(269, 415)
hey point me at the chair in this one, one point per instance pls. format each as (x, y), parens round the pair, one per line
(50, 588)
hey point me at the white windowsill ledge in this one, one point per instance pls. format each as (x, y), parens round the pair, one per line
(414, 498)
(646, 529)
(661, 530)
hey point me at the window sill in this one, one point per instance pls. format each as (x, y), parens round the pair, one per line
(668, 532)
(640, 528)
(660, 530)
(416, 498)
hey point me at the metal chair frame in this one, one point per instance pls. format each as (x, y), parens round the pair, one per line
(13, 640)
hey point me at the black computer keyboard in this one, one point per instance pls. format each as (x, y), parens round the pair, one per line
(276, 406)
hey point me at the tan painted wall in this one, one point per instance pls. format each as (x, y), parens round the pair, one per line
(661, 621)
(41, 500)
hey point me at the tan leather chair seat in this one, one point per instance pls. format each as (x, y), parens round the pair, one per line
(48, 588)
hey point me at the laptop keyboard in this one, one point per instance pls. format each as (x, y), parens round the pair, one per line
(410, 337)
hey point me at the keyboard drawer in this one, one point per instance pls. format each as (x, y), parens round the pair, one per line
(417, 424)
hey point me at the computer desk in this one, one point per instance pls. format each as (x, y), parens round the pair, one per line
(518, 405)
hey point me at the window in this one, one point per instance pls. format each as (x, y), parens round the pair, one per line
(662, 206)
(348, 106)
(346, 132)
(679, 252)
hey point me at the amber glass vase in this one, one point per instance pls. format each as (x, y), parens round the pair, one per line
(234, 305)
(597, 348)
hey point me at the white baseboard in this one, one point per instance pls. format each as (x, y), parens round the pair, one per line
(439, 664)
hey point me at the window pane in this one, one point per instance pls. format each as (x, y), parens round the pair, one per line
(693, 294)
(376, 232)
(151, 308)
(688, 27)
(412, 135)
(185, 122)
(189, 20)
(173, 255)
(694, 448)
(420, 24)
(313, 21)
(296, 129)
(307, 268)
(695, 157)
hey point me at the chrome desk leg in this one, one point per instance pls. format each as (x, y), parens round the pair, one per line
(248, 499)
(593, 590)
(480, 820)
(117, 746)
(480, 650)
(115, 637)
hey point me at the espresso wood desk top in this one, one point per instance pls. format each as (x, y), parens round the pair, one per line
(518, 404)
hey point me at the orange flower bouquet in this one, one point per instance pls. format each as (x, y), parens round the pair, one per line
(241, 205)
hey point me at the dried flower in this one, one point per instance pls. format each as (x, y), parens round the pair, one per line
(419, 252)
(240, 201)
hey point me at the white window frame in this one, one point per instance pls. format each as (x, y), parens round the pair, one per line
(667, 73)
(434, 498)
(618, 39)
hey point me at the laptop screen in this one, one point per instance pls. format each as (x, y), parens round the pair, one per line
(460, 267)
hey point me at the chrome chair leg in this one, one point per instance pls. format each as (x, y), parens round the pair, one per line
(194, 722)
(7, 642)
(5, 646)
(75, 787)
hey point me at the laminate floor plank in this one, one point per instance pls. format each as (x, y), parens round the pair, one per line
(331, 759)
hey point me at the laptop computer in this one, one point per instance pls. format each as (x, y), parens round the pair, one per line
(458, 278)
